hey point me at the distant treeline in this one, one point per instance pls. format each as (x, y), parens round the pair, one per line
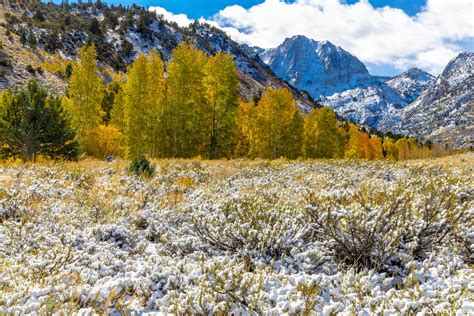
(191, 110)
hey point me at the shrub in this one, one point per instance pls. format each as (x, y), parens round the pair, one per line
(142, 167)
(248, 226)
(31, 69)
(381, 227)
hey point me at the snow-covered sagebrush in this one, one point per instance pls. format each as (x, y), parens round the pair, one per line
(244, 237)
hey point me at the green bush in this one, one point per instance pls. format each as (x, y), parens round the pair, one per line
(142, 167)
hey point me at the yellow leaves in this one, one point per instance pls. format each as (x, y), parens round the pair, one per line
(54, 64)
(104, 141)
(273, 127)
(322, 137)
(85, 93)
(141, 108)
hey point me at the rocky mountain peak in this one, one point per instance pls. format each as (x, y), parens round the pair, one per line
(411, 83)
(319, 67)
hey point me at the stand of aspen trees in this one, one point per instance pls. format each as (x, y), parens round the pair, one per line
(190, 107)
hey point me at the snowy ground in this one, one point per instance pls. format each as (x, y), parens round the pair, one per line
(244, 237)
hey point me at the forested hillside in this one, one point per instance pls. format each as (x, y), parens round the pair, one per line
(41, 39)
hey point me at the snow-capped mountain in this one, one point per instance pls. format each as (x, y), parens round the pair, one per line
(410, 84)
(320, 68)
(379, 103)
(341, 81)
(445, 111)
(375, 105)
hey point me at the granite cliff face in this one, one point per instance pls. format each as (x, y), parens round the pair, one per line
(320, 68)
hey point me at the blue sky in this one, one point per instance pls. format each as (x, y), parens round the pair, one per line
(204, 8)
(406, 33)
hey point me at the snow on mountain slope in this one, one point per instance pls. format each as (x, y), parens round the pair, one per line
(445, 111)
(410, 84)
(374, 105)
(135, 31)
(380, 103)
(342, 81)
(320, 68)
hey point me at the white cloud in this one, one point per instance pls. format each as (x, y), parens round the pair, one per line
(378, 36)
(181, 19)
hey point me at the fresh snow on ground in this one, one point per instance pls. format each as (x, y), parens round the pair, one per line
(208, 237)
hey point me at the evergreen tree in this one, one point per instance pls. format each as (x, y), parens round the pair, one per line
(108, 100)
(117, 113)
(188, 108)
(33, 123)
(23, 36)
(222, 96)
(85, 94)
(32, 39)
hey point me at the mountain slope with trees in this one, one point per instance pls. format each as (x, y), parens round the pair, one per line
(53, 34)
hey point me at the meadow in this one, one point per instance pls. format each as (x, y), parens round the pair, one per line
(238, 236)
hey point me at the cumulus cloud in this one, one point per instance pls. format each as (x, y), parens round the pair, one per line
(181, 19)
(377, 36)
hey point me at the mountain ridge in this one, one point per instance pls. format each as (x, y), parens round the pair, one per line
(384, 104)
(444, 112)
(120, 35)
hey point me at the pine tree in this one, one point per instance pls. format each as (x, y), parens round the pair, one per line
(32, 41)
(110, 93)
(188, 108)
(85, 94)
(222, 96)
(322, 137)
(33, 123)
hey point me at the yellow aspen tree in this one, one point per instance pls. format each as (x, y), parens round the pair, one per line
(389, 148)
(403, 149)
(155, 121)
(244, 134)
(376, 151)
(222, 95)
(105, 141)
(355, 146)
(85, 93)
(135, 108)
(323, 138)
(188, 107)
(310, 131)
(116, 114)
(271, 127)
